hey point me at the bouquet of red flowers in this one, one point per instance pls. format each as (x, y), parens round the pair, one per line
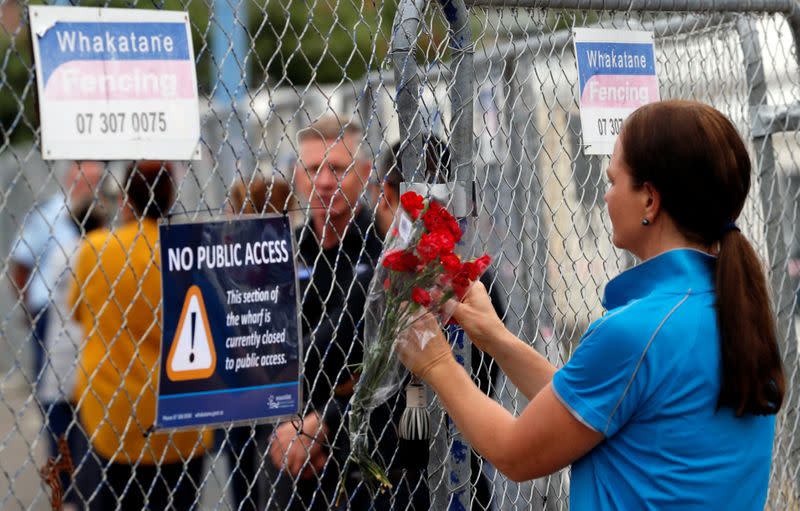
(420, 269)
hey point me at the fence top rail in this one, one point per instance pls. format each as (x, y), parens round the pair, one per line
(770, 6)
(547, 42)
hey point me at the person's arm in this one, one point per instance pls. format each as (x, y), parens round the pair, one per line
(329, 385)
(545, 438)
(30, 244)
(298, 446)
(525, 367)
(19, 275)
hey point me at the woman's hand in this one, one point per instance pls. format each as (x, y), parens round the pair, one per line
(422, 346)
(477, 317)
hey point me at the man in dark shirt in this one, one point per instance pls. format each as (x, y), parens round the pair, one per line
(338, 250)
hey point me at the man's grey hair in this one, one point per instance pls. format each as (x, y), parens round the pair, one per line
(332, 127)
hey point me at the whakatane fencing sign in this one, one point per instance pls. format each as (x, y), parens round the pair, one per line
(115, 83)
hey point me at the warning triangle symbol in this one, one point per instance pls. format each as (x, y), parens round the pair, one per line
(192, 355)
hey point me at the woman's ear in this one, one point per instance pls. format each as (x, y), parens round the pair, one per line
(652, 198)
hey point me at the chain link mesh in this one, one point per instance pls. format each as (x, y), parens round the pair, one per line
(541, 215)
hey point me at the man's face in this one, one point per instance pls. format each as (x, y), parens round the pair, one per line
(329, 176)
(82, 180)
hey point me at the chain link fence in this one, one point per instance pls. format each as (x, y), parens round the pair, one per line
(267, 70)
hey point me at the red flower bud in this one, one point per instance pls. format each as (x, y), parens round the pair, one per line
(483, 262)
(400, 260)
(461, 283)
(451, 263)
(470, 270)
(421, 296)
(413, 203)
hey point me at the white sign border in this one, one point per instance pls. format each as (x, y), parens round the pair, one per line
(604, 35)
(43, 18)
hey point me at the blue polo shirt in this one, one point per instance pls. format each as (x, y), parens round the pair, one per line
(647, 376)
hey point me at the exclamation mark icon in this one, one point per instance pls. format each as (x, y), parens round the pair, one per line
(191, 354)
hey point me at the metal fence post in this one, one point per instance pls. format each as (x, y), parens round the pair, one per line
(462, 94)
(230, 52)
(405, 32)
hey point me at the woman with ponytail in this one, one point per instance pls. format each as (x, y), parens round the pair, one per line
(669, 400)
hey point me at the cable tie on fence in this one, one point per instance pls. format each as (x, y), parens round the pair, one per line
(149, 430)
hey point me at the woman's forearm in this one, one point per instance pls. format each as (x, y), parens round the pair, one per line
(543, 439)
(483, 422)
(528, 370)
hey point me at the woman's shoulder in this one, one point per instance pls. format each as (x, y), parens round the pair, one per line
(634, 324)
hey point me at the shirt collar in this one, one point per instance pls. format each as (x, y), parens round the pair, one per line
(674, 271)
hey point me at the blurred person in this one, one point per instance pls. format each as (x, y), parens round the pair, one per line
(117, 300)
(63, 336)
(338, 249)
(44, 234)
(437, 169)
(669, 401)
(260, 194)
(245, 444)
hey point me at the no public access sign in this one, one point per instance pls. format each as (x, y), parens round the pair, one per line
(115, 83)
(231, 348)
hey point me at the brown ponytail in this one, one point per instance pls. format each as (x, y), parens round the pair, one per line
(752, 375)
(698, 162)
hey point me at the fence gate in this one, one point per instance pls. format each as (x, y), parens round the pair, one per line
(498, 82)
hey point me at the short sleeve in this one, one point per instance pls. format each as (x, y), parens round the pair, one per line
(601, 385)
(31, 241)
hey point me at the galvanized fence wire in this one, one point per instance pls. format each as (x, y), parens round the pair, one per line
(541, 214)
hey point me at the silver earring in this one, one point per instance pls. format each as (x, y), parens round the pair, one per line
(645, 221)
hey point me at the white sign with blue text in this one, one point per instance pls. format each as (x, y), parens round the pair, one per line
(115, 83)
(616, 75)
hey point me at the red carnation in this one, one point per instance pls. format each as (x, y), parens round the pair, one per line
(469, 270)
(451, 263)
(413, 203)
(421, 296)
(438, 219)
(400, 260)
(482, 263)
(461, 283)
(433, 244)
(427, 249)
